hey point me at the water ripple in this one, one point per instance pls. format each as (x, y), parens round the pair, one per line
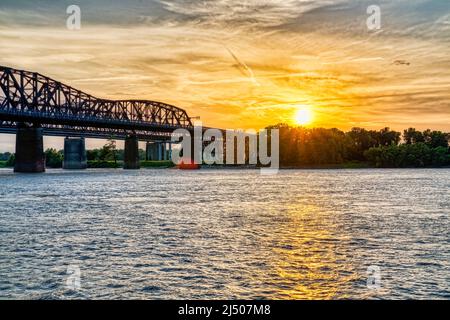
(234, 234)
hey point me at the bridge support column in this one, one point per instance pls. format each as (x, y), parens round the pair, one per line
(161, 147)
(157, 151)
(29, 149)
(152, 151)
(74, 153)
(164, 148)
(147, 151)
(131, 156)
(169, 152)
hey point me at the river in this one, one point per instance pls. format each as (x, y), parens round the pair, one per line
(225, 234)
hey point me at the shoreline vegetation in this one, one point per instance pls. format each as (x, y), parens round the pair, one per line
(360, 148)
(308, 148)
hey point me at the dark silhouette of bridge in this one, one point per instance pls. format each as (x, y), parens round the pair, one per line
(61, 110)
(33, 105)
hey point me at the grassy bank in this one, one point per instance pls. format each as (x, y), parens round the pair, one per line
(157, 164)
(119, 164)
(3, 164)
(105, 164)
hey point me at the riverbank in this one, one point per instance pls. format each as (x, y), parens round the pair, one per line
(110, 164)
(346, 165)
(170, 164)
(119, 164)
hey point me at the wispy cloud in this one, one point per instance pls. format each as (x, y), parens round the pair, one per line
(287, 52)
(243, 68)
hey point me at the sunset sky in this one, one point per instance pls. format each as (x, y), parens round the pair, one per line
(246, 64)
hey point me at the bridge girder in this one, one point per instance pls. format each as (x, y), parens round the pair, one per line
(62, 110)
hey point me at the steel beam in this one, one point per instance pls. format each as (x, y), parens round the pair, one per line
(29, 97)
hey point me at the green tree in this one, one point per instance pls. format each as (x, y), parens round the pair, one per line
(436, 139)
(53, 158)
(387, 137)
(411, 136)
(407, 156)
(360, 140)
(108, 151)
(141, 154)
(5, 156)
(11, 160)
(440, 157)
(93, 155)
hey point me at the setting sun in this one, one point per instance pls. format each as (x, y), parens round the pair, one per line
(303, 116)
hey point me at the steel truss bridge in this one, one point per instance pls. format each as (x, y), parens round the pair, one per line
(31, 98)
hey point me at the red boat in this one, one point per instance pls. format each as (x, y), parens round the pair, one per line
(188, 166)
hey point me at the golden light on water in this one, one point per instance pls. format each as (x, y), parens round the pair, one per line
(303, 116)
(309, 257)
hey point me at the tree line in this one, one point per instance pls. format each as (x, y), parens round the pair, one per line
(386, 148)
(300, 147)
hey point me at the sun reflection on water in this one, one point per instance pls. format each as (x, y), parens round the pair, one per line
(308, 262)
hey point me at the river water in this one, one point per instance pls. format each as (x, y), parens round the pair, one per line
(210, 234)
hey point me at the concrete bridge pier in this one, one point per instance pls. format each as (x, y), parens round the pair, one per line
(150, 151)
(30, 156)
(131, 156)
(156, 151)
(161, 147)
(74, 153)
(147, 151)
(169, 151)
(163, 151)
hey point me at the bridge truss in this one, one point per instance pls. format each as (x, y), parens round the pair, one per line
(29, 97)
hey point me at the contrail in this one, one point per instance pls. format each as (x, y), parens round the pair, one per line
(243, 68)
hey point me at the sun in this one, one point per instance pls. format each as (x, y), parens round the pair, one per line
(303, 116)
